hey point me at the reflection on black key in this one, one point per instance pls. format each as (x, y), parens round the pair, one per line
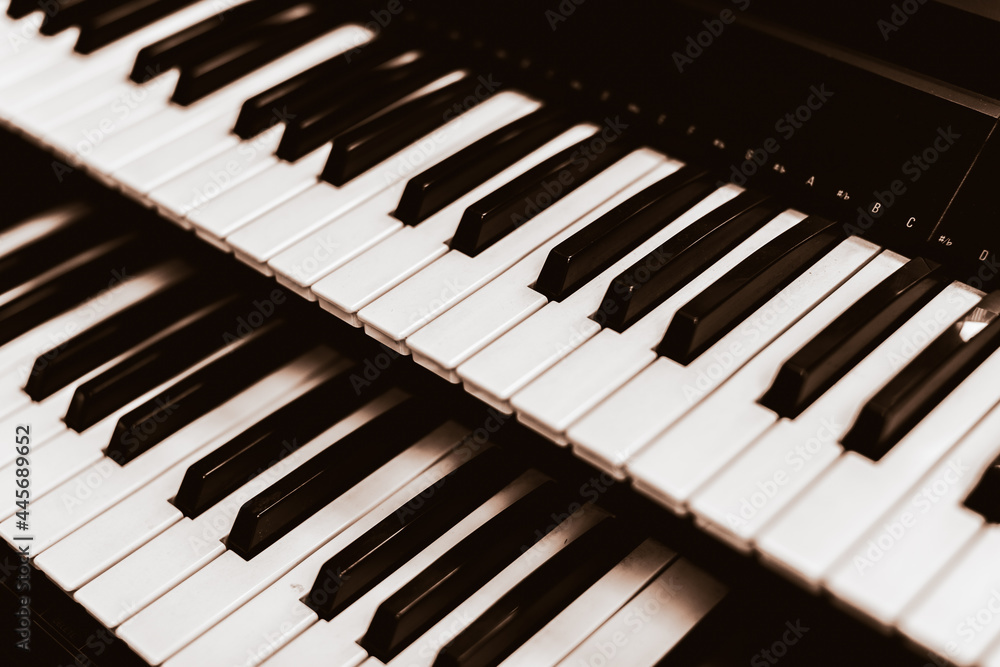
(196, 395)
(437, 187)
(70, 288)
(501, 212)
(849, 338)
(361, 101)
(402, 535)
(152, 365)
(461, 571)
(274, 512)
(609, 238)
(538, 598)
(62, 14)
(746, 287)
(334, 75)
(256, 449)
(361, 148)
(115, 335)
(50, 251)
(118, 21)
(985, 498)
(926, 380)
(272, 38)
(657, 276)
(203, 39)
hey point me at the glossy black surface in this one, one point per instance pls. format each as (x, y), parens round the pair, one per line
(849, 338)
(675, 262)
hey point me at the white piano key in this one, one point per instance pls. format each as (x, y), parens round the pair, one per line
(959, 617)
(177, 197)
(632, 417)
(593, 608)
(146, 120)
(93, 490)
(254, 197)
(171, 557)
(142, 175)
(864, 490)
(472, 324)
(337, 242)
(31, 52)
(47, 98)
(653, 622)
(422, 651)
(393, 259)
(564, 393)
(303, 224)
(346, 629)
(173, 122)
(117, 532)
(111, 62)
(906, 548)
(992, 658)
(272, 619)
(399, 313)
(519, 356)
(218, 589)
(758, 485)
(18, 36)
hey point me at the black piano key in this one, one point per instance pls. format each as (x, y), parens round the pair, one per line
(985, 497)
(336, 74)
(50, 251)
(185, 401)
(666, 269)
(272, 38)
(361, 148)
(357, 102)
(203, 39)
(433, 189)
(407, 531)
(462, 570)
(926, 380)
(66, 290)
(274, 512)
(65, 363)
(256, 449)
(153, 365)
(20, 8)
(73, 12)
(501, 212)
(538, 598)
(746, 287)
(849, 338)
(597, 246)
(121, 20)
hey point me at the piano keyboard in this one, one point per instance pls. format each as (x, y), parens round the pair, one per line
(216, 483)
